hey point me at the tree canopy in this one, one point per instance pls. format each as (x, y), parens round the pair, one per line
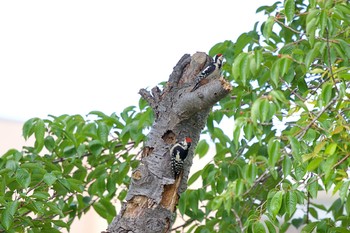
(290, 109)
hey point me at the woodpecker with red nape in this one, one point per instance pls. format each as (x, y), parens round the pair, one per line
(178, 155)
(213, 70)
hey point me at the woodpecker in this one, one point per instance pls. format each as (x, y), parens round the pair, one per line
(178, 155)
(213, 70)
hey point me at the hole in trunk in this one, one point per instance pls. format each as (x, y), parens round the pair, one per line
(169, 137)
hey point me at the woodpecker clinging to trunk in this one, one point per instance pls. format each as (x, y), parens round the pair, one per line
(178, 155)
(213, 70)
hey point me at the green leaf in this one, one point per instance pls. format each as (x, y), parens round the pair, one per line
(27, 129)
(39, 133)
(331, 148)
(274, 151)
(286, 166)
(270, 227)
(102, 132)
(12, 207)
(340, 229)
(295, 144)
(285, 64)
(241, 42)
(220, 184)
(323, 21)
(6, 219)
(239, 186)
(239, 122)
(327, 92)
(23, 177)
(258, 227)
(109, 207)
(95, 147)
(267, 31)
(310, 30)
(202, 148)
(40, 195)
(245, 69)
(289, 8)
(291, 202)
(193, 201)
(275, 73)
(60, 223)
(347, 205)
(236, 66)
(313, 187)
(309, 227)
(314, 164)
(252, 65)
(310, 57)
(5, 171)
(216, 203)
(50, 143)
(344, 190)
(69, 151)
(7, 216)
(264, 110)
(276, 203)
(327, 166)
(194, 177)
(255, 111)
(182, 204)
(49, 179)
(228, 205)
(258, 58)
(248, 132)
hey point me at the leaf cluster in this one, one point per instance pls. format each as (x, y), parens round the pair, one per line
(290, 114)
(75, 163)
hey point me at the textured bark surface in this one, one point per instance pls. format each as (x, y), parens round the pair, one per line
(153, 194)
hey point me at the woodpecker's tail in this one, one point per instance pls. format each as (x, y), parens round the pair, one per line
(195, 87)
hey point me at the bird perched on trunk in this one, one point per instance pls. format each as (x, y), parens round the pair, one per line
(212, 71)
(178, 155)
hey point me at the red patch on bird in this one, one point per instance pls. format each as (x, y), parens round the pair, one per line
(188, 139)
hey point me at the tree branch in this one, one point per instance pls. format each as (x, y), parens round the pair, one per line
(302, 133)
(205, 97)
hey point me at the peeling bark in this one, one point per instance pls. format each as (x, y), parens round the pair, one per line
(153, 195)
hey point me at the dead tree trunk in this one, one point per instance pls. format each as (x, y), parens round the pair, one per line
(179, 113)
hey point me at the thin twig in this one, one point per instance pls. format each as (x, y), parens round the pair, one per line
(183, 225)
(292, 29)
(308, 207)
(257, 181)
(238, 219)
(292, 91)
(329, 61)
(341, 161)
(302, 133)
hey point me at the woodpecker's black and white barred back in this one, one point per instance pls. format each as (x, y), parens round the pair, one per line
(213, 70)
(178, 155)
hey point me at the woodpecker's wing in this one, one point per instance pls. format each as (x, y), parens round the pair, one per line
(208, 70)
(200, 79)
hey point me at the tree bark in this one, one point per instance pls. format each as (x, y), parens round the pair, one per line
(153, 194)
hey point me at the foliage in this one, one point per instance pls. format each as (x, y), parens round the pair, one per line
(290, 105)
(76, 163)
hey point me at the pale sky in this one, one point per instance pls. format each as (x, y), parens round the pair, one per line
(73, 57)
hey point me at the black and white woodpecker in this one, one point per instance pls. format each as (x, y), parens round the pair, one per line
(213, 70)
(178, 155)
